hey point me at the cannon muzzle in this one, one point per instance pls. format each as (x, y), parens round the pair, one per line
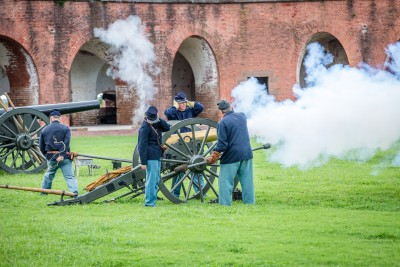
(265, 146)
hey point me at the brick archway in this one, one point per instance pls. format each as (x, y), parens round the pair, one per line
(201, 76)
(18, 74)
(331, 44)
(88, 79)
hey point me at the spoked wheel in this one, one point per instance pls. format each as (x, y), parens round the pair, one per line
(183, 166)
(185, 173)
(19, 141)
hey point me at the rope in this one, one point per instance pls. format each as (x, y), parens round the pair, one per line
(107, 177)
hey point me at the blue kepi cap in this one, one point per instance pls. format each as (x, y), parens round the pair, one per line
(55, 112)
(151, 114)
(180, 97)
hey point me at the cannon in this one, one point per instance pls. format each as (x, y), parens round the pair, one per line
(185, 157)
(20, 128)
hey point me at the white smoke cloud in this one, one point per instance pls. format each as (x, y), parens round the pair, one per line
(133, 59)
(396, 160)
(346, 113)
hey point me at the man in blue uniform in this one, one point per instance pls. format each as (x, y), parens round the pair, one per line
(150, 152)
(54, 144)
(183, 109)
(233, 146)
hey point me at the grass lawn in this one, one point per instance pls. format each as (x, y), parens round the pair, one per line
(344, 213)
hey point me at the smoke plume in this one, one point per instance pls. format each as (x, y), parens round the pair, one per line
(133, 59)
(344, 112)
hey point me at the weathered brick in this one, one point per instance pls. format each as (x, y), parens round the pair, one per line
(257, 38)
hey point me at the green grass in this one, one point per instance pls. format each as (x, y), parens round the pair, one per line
(344, 213)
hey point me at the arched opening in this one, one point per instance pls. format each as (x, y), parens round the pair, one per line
(331, 45)
(183, 77)
(89, 79)
(195, 72)
(18, 75)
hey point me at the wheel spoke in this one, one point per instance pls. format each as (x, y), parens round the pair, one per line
(189, 189)
(168, 176)
(175, 161)
(209, 149)
(196, 177)
(32, 157)
(23, 160)
(21, 166)
(7, 145)
(8, 153)
(177, 151)
(212, 173)
(195, 180)
(184, 189)
(184, 143)
(37, 130)
(32, 123)
(38, 152)
(204, 140)
(194, 141)
(14, 160)
(180, 181)
(6, 137)
(211, 186)
(30, 161)
(8, 129)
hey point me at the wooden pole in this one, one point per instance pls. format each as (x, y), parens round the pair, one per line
(41, 190)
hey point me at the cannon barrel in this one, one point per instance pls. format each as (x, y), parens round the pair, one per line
(65, 108)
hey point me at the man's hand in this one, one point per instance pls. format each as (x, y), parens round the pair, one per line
(213, 158)
(73, 155)
(59, 158)
(143, 167)
(190, 104)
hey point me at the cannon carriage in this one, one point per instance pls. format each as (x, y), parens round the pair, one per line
(20, 128)
(185, 158)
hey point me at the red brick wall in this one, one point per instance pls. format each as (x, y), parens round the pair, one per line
(264, 38)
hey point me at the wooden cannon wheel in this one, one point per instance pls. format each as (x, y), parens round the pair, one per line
(183, 159)
(19, 141)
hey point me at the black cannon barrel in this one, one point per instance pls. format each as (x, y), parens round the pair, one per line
(65, 108)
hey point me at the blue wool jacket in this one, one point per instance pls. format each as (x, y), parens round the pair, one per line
(55, 137)
(149, 147)
(173, 113)
(233, 138)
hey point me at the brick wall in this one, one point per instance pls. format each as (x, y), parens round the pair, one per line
(264, 38)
